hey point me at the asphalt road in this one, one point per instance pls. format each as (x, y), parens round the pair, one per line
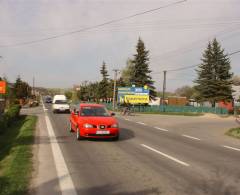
(147, 160)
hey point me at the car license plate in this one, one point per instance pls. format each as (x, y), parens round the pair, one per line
(102, 132)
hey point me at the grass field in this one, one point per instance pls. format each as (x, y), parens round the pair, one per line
(234, 132)
(16, 156)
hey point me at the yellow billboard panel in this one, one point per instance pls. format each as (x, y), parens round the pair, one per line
(136, 99)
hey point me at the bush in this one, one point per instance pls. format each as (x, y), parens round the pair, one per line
(9, 116)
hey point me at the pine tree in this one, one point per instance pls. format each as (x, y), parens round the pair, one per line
(223, 75)
(141, 72)
(214, 77)
(104, 84)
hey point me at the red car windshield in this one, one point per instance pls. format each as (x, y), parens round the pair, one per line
(94, 111)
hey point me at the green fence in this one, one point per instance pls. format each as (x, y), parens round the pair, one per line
(179, 109)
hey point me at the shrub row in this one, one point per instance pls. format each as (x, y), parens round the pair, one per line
(9, 116)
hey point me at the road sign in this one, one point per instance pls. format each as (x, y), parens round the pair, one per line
(3, 87)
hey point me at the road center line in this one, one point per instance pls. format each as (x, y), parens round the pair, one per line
(64, 177)
(165, 155)
(191, 137)
(141, 123)
(161, 129)
(232, 148)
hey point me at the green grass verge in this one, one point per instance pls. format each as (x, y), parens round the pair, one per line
(234, 132)
(174, 113)
(16, 156)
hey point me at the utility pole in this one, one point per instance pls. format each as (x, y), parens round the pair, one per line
(114, 88)
(164, 85)
(33, 89)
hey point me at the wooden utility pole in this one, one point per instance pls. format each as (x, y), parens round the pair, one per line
(33, 89)
(164, 85)
(114, 88)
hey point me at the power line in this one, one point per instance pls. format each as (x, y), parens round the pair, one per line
(192, 66)
(95, 26)
(195, 44)
(235, 52)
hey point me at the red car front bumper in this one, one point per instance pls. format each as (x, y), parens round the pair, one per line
(93, 133)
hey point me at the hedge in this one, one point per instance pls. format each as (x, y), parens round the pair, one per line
(9, 116)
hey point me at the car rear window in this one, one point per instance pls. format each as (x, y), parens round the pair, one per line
(60, 102)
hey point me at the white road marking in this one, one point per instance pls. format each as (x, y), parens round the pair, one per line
(44, 108)
(232, 148)
(165, 155)
(127, 119)
(191, 137)
(64, 177)
(161, 129)
(141, 123)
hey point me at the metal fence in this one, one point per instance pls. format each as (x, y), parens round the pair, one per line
(176, 109)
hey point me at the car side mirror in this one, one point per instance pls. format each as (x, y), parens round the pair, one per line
(76, 112)
(113, 114)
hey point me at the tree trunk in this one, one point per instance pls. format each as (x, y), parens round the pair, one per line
(213, 104)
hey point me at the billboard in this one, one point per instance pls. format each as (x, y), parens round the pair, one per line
(133, 95)
(3, 87)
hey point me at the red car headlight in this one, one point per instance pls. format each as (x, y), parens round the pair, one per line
(87, 126)
(114, 125)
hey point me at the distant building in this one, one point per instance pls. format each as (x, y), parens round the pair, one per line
(76, 87)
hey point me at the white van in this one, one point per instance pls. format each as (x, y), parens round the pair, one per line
(59, 104)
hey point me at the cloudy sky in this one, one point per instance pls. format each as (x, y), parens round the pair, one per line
(175, 36)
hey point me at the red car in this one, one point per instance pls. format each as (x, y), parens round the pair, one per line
(93, 121)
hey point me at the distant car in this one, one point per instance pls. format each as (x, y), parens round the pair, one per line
(93, 121)
(48, 100)
(59, 104)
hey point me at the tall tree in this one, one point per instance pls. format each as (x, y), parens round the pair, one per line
(103, 89)
(128, 74)
(21, 89)
(214, 82)
(185, 91)
(69, 94)
(82, 94)
(93, 91)
(141, 71)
